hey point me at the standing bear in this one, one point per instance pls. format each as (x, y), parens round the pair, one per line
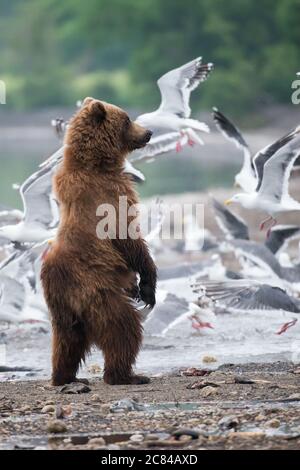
(89, 280)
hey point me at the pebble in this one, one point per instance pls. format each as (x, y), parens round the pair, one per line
(273, 423)
(56, 427)
(74, 388)
(209, 359)
(208, 391)
(152, 437)
(48, 409)
(136, 438)
(228, 422)
(96, 441)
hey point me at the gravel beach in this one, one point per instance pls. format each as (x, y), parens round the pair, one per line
(253, 406)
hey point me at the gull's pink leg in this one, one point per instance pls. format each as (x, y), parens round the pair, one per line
(286, 326)
(191, 142)
(198, 324)
(178, 146)
(264, 222)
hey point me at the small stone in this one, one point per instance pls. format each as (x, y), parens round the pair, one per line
(260, 417)
(243, 380)
(48, 409)
(95, 398)
(74, 388)
(228, 422)
(94, 369)
(25, 408)
(152, 437)
(208, 391)
(273, 423)
(185, 438)
(97, 442)
(185, 432)
(209, 359)
(136, 438)
(56, 427)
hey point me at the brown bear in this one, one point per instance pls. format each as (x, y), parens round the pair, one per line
(88, 280)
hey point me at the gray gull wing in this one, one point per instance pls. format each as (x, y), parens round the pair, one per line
(229, 223)
(176, 86)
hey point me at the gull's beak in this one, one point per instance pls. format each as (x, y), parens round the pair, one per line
(228, 202)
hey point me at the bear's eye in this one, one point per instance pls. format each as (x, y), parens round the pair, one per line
(127, 121)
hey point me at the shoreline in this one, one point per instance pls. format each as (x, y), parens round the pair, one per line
(249, 406)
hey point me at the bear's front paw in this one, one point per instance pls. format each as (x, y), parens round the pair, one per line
(147, 293)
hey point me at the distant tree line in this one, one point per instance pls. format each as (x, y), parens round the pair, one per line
(54, 52)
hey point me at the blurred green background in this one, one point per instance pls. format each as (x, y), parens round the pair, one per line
(54, 52)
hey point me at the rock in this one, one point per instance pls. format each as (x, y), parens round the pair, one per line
(194, 372)
(243, 380)
(185, 432)
(209, 359)
(136, 438)
(228, 422)
(151, 437)
(63, 411)
(56, 427)
(94, 369)
(74, 388)
(96, 398)
(273, 423)
(260, 417)
(208, 391)
(48, 409)
(97, 442)
(127, 404)
(202, 384)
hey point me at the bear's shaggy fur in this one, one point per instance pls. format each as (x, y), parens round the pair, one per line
(87, 281)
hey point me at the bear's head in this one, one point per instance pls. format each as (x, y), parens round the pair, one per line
(101, 134)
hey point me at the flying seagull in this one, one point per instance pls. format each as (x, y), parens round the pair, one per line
(273, 173)
(39, 211)
(247, 178)
(235, 228)
(173, 114)
(247, 294)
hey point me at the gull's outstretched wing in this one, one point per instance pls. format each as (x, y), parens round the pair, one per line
(233, 226)
(36, 196)
(158, 145)
(247, 295)
(12, 299)
(263, 156)
(229, 130)
(176, 86)
(276, 175)
(280, 235)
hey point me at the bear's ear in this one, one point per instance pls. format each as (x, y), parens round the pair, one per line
(97, 111)
(87, 100)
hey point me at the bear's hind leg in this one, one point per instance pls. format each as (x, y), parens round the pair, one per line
(69, 347)
(120, 338)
